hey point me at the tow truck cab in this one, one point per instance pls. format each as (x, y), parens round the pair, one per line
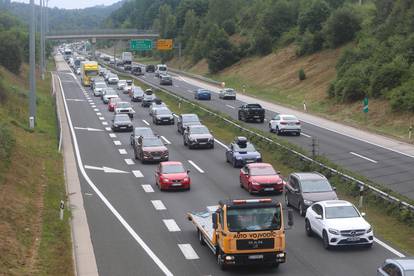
(243, 232)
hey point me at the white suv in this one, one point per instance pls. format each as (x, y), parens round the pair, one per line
(283, 123)
(160, 69)
(338, 222)
(227, 93)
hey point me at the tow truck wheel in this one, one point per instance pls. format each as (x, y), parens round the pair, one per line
(200, 238)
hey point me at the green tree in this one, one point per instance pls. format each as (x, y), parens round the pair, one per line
(402, 97)
(311, 19)
(279, 18)
(262, 41)
(190, 28)
(341, 27)
(10, 51)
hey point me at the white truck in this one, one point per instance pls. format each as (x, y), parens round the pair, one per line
(126, 58)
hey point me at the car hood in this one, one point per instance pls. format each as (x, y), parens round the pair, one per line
(175, 176)
(152, 149)
(191, 123)
(246, 154)
(347, 223)
(314, 197)
(201, 136)
(163, 116)
(266, 179)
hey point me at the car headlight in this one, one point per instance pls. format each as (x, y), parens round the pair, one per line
(130, 125)
(191, 138)
(255, 184)
(165, 180)
(186, 179)
(369, 230)
(259, 157)
(307, 202)
(115, 125)
(333, 231)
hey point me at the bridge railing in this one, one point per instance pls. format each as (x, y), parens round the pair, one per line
(101, 31)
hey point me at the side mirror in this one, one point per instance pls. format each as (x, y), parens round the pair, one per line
(363, 214)
(278, 172)
(290, 217)
(188, 171)
(318, 216)
(295, 191)
(334, 188)
(214, 219)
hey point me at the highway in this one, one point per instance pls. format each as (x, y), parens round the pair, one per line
(138, 230)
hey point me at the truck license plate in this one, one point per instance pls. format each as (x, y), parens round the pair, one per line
(255, 257)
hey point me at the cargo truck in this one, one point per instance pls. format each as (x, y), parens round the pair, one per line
(243, 232)
(126, 58)
(89, 69)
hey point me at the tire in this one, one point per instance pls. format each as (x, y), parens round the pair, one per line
(369, 245)
(325, 240)
(278, 131)
(275, 265)
(308, 228)
(240, 118)
(200, 238)
(227, 160)
(287, 200)
(262, 120)
(241, 184)
(234, 163)
(184, 142)
(302, 211)
(270, 128)
(212, 146)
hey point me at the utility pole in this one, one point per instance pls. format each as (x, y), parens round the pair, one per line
(42, 43)
(32, 98)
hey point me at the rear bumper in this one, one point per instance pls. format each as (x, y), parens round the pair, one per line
(264, 189)
(121, 128)
(201, 145)
(254, 259)
(171, 186)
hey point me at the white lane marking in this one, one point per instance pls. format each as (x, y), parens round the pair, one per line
(89, 100)
(171, 225)
(88, 128)
(165, 140)
(104, 169)
(230, 106)
(195, 166)
(158, 205)
(104, 123)
(145, 122)
(221, 144)
(96, 109)
(75, 100)
(363, 157)
(188, 251)
(101, 118)
(190, 91)
(108, 128)
(112, 135)
(138, 173)
(147, 188)
(124, 223)
(93, 106)
(306, 135)
(129, 161)
(99, 113)
(117, 143)
(386, 246)
(122, 151)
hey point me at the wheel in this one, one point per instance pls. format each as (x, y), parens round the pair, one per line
(270, 128)
(302, 211)
(234, 163)
(275, 265)
(369, 245)
(212, 146)
(240, 117)
(184, 142)
(227, 160)
(262, 120)
(308, 228)
(287, 200)
(278, 131)
(135, 154)
(325, 240)
(201, 238)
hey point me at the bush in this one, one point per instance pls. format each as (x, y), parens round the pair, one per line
(341, 27)
(7, 142)
(312, 18)
(309, 43)
(221, 58)
(229, 26)
(262, 42)
(301, 74)
(10, 51)
(402, 97)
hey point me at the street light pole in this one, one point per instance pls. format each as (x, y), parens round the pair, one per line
(42, 42)
(32, 96)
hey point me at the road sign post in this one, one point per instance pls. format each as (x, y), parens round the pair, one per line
(140, 44)
(365, 109)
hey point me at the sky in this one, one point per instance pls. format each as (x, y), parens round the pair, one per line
(73, 4)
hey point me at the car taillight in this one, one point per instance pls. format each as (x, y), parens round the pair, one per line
(283, 123)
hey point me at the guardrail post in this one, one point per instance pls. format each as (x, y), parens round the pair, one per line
(361, 196)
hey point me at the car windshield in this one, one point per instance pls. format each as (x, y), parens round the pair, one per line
(110, 92)
(145, 132)
(190, 118)
(122, 82)
(122, 119)
(123, 105)
(162, 68)
(341, 212)
(152, 142)
(199, 130)
(173, 168)
(262, 170)
(138, 92)
(248, 147)
(289, 118)
(91, 73)
(229, 90)
(315, 186)
(257, 219)
(254, 106)
(163, 111)
(100, 85)
(203, 91)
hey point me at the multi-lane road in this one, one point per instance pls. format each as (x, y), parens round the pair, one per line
(138, 230)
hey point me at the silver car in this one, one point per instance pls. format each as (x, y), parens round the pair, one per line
(283, 123)
(399, 266)
(98, 88)
(198, 136)
(227, 93)
(108, 94)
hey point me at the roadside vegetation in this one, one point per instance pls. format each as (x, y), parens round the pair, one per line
(33, 241)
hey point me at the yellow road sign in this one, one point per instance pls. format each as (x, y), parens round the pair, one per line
(164, 44)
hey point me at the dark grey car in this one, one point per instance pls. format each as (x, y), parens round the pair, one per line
(185, 120)
(303, 189)
(162, 115)
(121, 122)
(141, 131)
(198, 136)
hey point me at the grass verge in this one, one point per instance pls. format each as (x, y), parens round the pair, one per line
(33, 239)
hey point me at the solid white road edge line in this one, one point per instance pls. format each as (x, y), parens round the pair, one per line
(221, 144)
(363, 157)
(188, 251)
(171, 225)
(124, 223)
(195, 166)
(230, 106)
(145, 122)
(147, 188)
(306, 135)
(386, 246)
(158, 205)
(165, 140)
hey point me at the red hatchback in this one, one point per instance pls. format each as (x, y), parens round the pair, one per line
(172, 175)
(260, 177)
(112, 103)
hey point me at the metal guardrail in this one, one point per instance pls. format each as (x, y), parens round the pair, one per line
(101, 31)
(194, 76)
(375, 190)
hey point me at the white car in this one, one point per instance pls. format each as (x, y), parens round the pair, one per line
(283, 123)
(121, 84)
(160, 69)
(338, 223)
(113, 79)
(227, 93)
(108, 94)
(128, 87)
(98, 88)
(78, 71)
(124, 108)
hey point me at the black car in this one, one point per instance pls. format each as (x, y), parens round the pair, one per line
(137, 95)
(137, 70)
(185, 120)
(150, 68)
(163, 116)
(127, 67)
(251, 112)
(121, 122)
(147, 100)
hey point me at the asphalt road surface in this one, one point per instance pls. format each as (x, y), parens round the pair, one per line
(127, 213)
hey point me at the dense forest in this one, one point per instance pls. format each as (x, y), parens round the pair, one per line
(378, 62)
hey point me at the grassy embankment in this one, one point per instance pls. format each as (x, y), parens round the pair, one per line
(384, 221)
(33, 239)
(275, 78)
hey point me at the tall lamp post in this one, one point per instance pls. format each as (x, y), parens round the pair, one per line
(32, 93)
(42, 41)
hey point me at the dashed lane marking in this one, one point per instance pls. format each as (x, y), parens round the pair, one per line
(195, 166)
(306, 135)
(138, 174)
(104, 123)
(145, 122)
(166, 140)
(363, 157)
(230, 106)
(171, 225)
(158, 205)
(112, 135)
(117, 143)
(147, 188)
(188, 251)
(129, 161)
(122, 151)
(108, 129)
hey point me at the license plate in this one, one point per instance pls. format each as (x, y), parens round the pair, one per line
(123, 127)
(269, 189)
(176, 184)
(249, 161)
(255, 257)
(202, 143)
(157, 157)
(353, 239)
(291, 124)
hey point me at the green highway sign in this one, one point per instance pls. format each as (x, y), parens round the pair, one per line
(140, 44)
(365, 107)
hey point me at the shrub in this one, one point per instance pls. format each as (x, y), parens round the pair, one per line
(262, 42)
(402, 97)
(10, 51)
(309, 43)
(301, 74)
(7, 142)
(341, 27)
(229, 26)
(312, 18)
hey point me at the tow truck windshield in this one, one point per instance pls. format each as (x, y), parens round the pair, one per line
(257, 219)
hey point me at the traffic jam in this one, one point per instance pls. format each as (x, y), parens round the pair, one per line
(249, 230)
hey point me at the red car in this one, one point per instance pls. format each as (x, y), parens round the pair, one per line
(172, 175)
(260, 177)
(112, 103)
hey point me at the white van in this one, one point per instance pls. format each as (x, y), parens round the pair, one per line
(160, 69)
